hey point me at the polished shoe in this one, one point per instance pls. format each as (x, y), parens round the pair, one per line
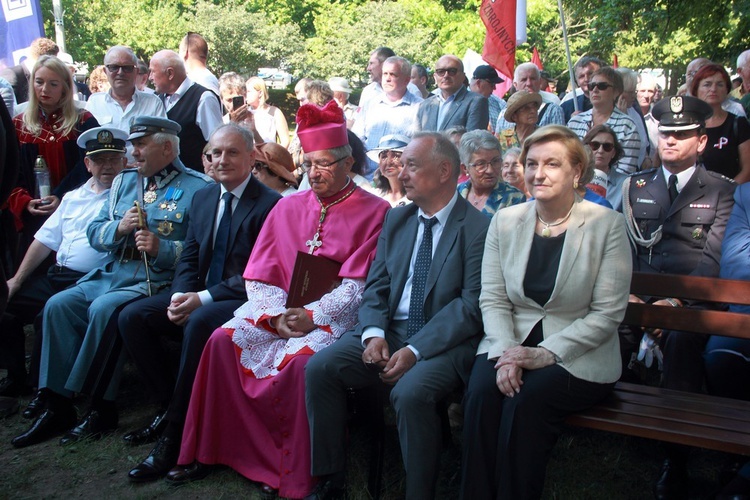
(158, 463)
(12, 389)
(268, 492)
(94, 425)
(8, 406)
(183, 474)
(35, 406)
(327, 490)
(147, 434)
(737, 489)
(672, 482)
(46, 425)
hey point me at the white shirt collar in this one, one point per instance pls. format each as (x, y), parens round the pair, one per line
(682, 178)
(442, 214)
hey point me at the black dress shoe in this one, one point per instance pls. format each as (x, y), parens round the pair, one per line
(158, 463)
(147, 434)
(268, 492)
(93, 426)
(46, 425)
(327, 490)
(737, 489)
(12, 389)
(672, 482)
(35, 406)
(183, 474)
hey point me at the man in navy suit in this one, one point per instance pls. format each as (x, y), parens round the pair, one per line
(419, 322)
(208, 286)
(453, 105)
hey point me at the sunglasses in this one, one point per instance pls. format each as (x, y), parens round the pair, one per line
(443, 71)
(602, 86)
(114, 68)
(607, 146)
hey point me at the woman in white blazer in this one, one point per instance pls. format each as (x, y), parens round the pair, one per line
(555, 281)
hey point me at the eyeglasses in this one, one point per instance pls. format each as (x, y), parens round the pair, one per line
(443, 71)
(607, 146)
(483, 165)
(114, 68)
(208, 157)
(601, 86)
(387, 153)
(322, 165)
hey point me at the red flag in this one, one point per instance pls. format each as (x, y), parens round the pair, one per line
(536, 59)
(614, 62)
(499, 17)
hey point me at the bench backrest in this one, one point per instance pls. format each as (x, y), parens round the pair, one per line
(693, 288)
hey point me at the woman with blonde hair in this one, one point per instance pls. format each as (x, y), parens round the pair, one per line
(48, 129)
(269, 120)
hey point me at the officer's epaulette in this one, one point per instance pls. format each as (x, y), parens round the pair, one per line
(131, 170)
(644, 172)
(199, 175)
(720, 176)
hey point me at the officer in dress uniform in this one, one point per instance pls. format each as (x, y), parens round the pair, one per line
(81, 352)
(677, 213)
(676, 216)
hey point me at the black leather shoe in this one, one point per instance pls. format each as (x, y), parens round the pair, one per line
(147, 434)
(12, 389)
(183, 474)
(268, 492)
(36, 406)
(158, 463)
(46, 425)
(327, 490)
(672, 482)
(93, 426)
(737, 489)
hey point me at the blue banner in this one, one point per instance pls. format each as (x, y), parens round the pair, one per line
(20, 24)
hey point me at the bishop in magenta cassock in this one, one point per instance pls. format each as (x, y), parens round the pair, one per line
(247, 409)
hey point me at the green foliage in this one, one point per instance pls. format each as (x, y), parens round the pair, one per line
(250, 41)
(323, 38)
(348, 33)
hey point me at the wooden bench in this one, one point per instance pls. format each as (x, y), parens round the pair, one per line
(673, 416)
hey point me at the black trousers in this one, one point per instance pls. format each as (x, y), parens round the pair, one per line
(507, 441)
(142, 323)
(24, 308)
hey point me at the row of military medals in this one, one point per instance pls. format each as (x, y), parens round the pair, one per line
(171, 197)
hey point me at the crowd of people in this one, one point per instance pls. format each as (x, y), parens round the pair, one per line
(431, 241)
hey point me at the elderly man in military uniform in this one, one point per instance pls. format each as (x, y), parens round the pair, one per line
(676, 217)
(63, 233)
(143, 224)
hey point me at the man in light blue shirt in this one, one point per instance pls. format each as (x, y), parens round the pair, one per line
(392, 112)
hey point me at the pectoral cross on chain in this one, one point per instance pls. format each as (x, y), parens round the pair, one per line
(314, 243)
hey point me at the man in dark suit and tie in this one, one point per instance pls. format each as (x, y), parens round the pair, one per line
(676, 216)
(453, 105)
(419, 322)
(208, 286)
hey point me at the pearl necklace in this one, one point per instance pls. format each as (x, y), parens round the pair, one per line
(546, 233)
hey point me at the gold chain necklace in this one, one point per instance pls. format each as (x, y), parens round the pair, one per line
(316, 242)
(546, 233)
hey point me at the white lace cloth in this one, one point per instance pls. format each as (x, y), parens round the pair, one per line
(262, 351)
